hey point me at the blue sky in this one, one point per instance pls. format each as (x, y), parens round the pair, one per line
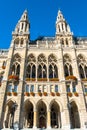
(42, 15)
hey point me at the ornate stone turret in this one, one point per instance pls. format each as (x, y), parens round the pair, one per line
(23, 25)
(63, 32)
(61, 25)
(21, 34)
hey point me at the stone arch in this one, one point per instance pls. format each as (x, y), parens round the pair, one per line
(53, 67)
(52, 57)
(10, 109)
(32, 56)
(28, 114)
(77, 102)
(41, 57)
(42, 66)
(68, 65)
(15, 69)
(30, 100)
(46, 103)
(74, 115)
(82, 63)
(55, 114)
(17, 55)
(58, 102)
(16, 42)
(31, 66)
(41, 114)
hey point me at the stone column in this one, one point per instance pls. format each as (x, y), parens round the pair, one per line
(5, 115)
(35, 119)
(48, 120)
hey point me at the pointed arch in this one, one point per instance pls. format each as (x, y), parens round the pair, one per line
(67, 65)
(42, 114)
(74, 115)
(28, 114)
(31, 66)
(53, 69)
(42, 67)
(55, 114)
(9, 113)
(81, 59)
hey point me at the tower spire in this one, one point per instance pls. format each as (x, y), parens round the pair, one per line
(23, 25)
(61, 25)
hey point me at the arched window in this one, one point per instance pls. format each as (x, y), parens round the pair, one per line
(55, 115)
(81, 70)
(16, 69)
(56, 88)
(26, 88)
(21, 42)
(67, 42)
(67, 65)
(10, 110)
(28, 115)
(31, 71)
(16, 42)
(82, 66)
(31, 67)
(53, 69)
(74, 115)
(42, 69)
(16, 65)
(68, 70)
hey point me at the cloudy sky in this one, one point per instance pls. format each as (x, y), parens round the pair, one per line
(42, 16)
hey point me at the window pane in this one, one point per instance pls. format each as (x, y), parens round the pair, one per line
(32, 88)
(74, 89)
(9, 89)
(45, 88)
(68, 88)
(52, 88)
(86, 89)
(15, 88)
(27, 88)
(39, 88)
(56, 88)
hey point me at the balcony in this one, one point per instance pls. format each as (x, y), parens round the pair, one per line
(30, 79)
(13, 78)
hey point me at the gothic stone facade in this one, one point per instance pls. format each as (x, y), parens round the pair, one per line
(43, 83)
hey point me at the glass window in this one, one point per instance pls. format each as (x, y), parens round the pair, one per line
(27, 88)
(9, 89)
(74, 89)
(45, 88)
(52, 88)
(39, 88)
(32, 88)
(86, 88)
(68, 88)
(15, 88)
(56, 88)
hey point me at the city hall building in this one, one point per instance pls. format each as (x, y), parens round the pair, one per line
(43, 83)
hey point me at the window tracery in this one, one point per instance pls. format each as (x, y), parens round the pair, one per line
(31, 67)
(16, 65)
(53, 69)
(67, 65)
(82, 66)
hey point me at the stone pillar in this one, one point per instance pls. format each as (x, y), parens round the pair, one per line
(48, 120)
(5, 115)
(35, 119)
(60, 64)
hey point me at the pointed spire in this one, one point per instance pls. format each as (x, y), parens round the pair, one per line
(60, 16)
(61, 25)
(24, 16)
(23, 25)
